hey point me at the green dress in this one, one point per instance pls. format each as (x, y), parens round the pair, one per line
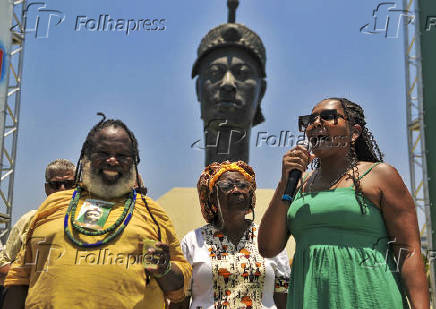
(342, 257)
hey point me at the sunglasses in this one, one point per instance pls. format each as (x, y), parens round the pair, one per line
(326, 115)
(56, 185)
(226, 186)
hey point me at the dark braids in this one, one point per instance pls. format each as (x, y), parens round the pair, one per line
(365, 148)
(89, 144)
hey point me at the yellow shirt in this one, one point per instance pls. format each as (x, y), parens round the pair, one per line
(62, 275)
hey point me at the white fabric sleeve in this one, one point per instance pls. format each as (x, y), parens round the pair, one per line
(282, 272)
(185, 244)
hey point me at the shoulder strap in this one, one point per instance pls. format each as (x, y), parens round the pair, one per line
(369, 170)
(304, 178)
(302, 184)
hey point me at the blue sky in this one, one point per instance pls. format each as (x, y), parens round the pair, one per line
(314, 50)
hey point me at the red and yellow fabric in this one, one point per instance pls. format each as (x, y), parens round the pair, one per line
(233, 275)
(210, 176)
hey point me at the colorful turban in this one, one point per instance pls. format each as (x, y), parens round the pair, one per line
(207, 182)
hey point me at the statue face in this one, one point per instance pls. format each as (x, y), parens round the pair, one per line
(229, 87)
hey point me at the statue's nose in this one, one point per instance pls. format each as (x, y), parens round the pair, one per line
(228, 83)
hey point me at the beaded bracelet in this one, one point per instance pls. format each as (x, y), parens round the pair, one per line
(165, 273)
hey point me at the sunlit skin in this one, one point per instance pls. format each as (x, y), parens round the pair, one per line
(335, 135)
(332, 157)
(383, 187)
(234, 205)
(237, 198)
(59, 176)
(111, 157)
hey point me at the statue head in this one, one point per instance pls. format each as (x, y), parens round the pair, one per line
(231, 74)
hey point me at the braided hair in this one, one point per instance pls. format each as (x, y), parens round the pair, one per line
(89, 144)
(364, 148)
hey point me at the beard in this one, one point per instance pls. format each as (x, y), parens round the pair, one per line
(94, 183)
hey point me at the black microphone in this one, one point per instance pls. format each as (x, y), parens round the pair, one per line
(293, 179)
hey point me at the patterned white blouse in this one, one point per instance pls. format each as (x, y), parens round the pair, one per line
(225, 276)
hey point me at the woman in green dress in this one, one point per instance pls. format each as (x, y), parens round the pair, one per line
(353, 219)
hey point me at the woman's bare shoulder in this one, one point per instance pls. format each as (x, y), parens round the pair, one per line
(380, 169)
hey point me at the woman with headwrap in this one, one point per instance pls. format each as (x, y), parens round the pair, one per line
(228, 271)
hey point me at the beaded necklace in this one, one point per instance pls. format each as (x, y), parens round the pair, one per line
(116, 228)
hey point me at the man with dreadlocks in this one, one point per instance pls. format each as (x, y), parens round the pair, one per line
(67, 263)
(353, 219)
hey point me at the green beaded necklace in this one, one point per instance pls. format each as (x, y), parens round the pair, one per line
(115, 229)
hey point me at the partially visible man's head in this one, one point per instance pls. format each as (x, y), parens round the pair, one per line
(59, 176)
(109, 159)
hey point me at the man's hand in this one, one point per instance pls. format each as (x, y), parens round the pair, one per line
(160, 256)
(168, 275)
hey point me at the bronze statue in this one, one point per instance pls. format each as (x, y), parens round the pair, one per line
(230, 86)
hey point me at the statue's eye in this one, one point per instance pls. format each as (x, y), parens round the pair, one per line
(215, 72)
(242, 72)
